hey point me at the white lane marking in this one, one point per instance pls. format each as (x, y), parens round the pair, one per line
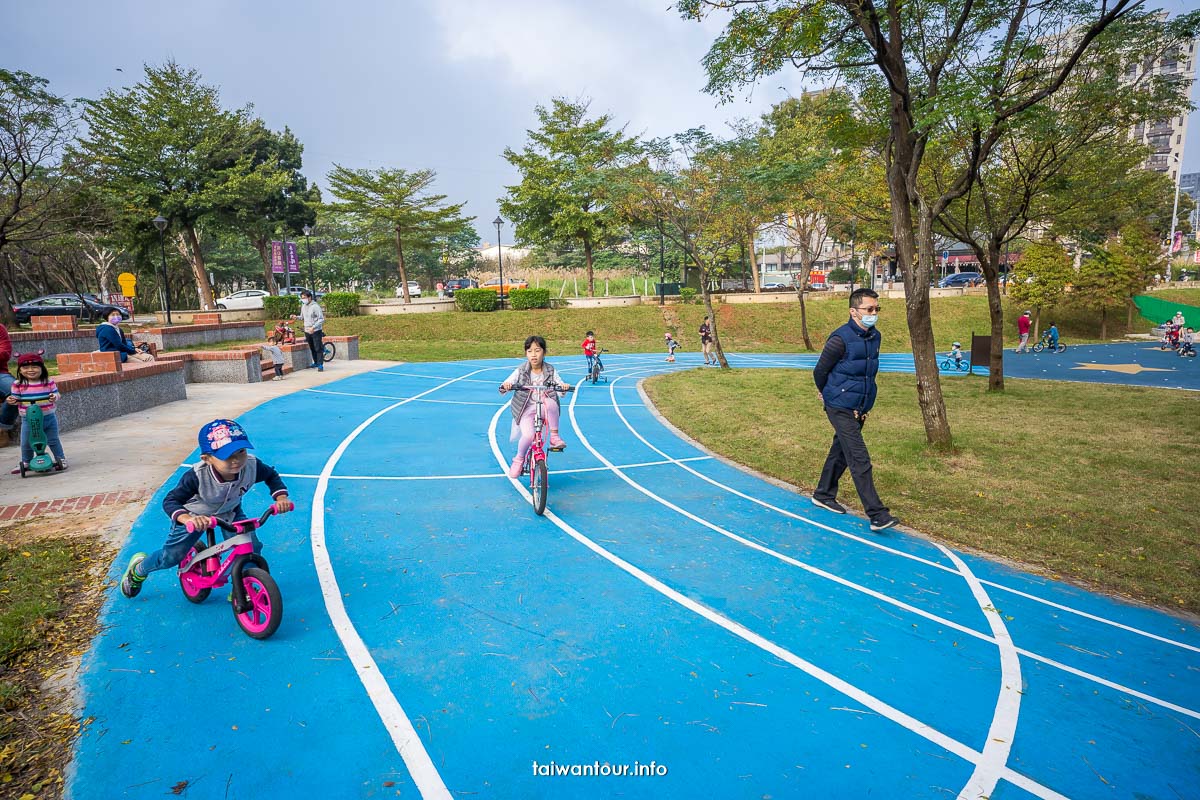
(430, 400)
(859, 587)
(876, 544)
(927, 732)
(998, 744)
(400, 728)
(302, 476)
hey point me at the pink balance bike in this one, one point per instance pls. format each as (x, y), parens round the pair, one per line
(257, 603)
(535, 459)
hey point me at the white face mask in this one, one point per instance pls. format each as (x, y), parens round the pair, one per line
(304, 301)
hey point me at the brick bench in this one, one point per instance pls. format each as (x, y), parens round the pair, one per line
(97, 386)
(240, 365)
(347, 347)
(207, 328)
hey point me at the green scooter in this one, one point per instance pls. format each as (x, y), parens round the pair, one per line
(43, 460)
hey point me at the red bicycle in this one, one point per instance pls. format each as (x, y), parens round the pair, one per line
(535, 458)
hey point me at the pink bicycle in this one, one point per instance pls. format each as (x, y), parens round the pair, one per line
(257, 604)
(535, 458)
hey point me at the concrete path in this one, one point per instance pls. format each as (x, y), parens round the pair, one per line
(135, 451)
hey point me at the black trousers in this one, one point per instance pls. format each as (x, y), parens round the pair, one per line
(849, 450)
(316, 343)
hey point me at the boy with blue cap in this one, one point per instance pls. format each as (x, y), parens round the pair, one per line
(212, 488)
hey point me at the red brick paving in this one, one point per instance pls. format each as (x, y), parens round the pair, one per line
(84, 502)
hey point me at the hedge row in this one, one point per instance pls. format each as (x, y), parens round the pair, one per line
(475, 299)
(340, 304)
(280, 307)
(522, 299)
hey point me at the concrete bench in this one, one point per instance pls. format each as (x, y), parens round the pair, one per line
(53, 335)
(347, 347)
(240, 365)
(97, 386)
(208, 329)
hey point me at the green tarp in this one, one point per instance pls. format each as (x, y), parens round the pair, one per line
(1159, 311)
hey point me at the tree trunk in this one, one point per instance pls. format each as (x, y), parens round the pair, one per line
(263, 246)
(754, 267)
(6, 303)
(199, 270)
(1104, 323)
(990, 262)
(1129, 315)
(587, 254)
(716, 340)
(1037, 324)
(404, 273)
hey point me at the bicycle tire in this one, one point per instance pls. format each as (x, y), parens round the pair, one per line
(539, 487)
(946, 364)
(329, 351)
(1062, 348)
(266, 612)
(187, 585)
(1039, 347)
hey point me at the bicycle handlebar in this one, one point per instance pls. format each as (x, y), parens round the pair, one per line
(554, 387)
(239, 525)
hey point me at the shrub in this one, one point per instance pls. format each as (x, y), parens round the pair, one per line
(475, 299)
(282, 306)
(687, 294)
(522, 299)
(340, 304)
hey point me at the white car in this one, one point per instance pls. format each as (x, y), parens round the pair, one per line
(414, 290)
(240, 301)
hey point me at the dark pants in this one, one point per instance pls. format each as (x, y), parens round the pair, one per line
(316, 343)
(179, 542)
(849, 450)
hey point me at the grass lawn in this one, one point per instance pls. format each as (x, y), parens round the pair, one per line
(1077, 481)
(771, 327)
(1189, 297)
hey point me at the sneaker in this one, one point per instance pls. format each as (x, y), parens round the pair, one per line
(17, 469)
(131, 582)
(320, 367)
(884, 522)
(518, 464)
(557, 445)
(61, 466)
(829, 505)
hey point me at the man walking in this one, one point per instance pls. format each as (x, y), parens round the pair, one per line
(313, 319)
(845, 378)
(1024, 323)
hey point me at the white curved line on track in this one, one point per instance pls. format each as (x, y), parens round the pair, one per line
(864, 589)
(880, 707)
(876, 544)
(479, 476)
(400, 728)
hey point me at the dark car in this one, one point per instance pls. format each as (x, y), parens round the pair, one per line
(960, 279)
(454, 284)
(88, 307)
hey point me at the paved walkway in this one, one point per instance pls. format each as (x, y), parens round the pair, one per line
(133, 452)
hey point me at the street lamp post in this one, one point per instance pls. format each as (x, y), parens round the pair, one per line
(499, 258)
(312, 286)
(161, 223)
(1174, 212)
(662, 269)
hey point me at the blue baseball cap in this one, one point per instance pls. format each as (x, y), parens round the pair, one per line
(222, 438)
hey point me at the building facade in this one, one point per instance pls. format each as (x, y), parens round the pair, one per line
(1166, 137)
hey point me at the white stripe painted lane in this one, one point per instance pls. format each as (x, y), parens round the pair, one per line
(862, 540)
(478, 476)
(927, 732)
(400, 728)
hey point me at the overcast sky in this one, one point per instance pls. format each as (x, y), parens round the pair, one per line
(441, 84)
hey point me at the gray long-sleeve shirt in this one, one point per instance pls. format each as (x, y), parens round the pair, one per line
(312, 316)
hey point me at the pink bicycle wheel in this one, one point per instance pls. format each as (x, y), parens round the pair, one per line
(190, 581)
(266, 604)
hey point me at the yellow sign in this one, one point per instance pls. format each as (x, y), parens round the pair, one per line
(128, 283)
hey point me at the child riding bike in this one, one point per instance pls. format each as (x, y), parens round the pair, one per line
(212, 488)
(536, 372)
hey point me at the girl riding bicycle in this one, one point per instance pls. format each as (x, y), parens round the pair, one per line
(535, 371)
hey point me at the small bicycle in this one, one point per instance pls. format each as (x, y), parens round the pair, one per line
(258, 605)
(535, 458)
(329, 351)
(1044, 344)
(951, 364)
(598, 368)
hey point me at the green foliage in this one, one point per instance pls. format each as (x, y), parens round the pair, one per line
(521, 299)
(282, 306)
(475, 299)
(340, 304)
(1039, 279)
(687, 295)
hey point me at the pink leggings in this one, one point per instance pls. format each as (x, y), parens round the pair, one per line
(549, 410)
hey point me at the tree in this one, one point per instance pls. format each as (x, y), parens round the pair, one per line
(1040, 278)
(394, 203)
(930, 68)
(166, 146)
(36, 198)
(568, 169)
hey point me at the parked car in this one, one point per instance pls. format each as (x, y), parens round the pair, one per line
(455, 284)
(414, 290)
(244, 300)
(509, 285)
(88, 307)
(775, 286)
(296, 290)
(960, 279)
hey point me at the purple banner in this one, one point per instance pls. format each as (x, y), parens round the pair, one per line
(293, 259)
(277, 257)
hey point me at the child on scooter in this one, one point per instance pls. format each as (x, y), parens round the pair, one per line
(212, 488)
(535, 371)
(672, 346)
(34, 386)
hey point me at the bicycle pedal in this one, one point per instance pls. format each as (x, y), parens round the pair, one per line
(557, 449)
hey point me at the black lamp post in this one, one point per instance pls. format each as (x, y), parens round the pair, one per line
(499, 257)
(312, 287)
(161, 223)
(662, 269)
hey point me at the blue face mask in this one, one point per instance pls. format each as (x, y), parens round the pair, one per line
(869, 320)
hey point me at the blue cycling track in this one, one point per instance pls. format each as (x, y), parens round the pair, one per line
(674, 626)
